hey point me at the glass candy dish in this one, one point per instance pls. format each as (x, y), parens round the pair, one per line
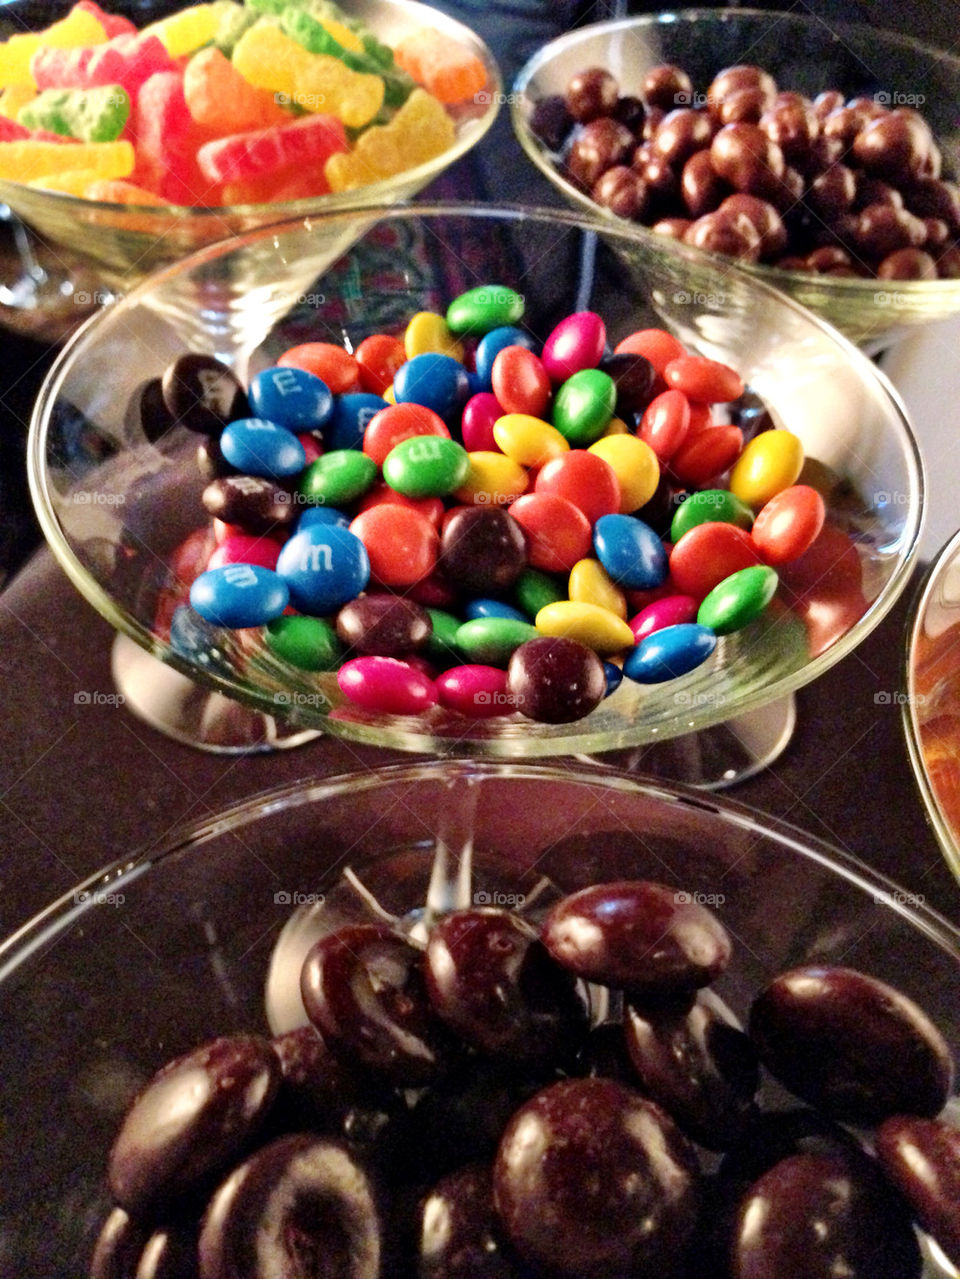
(804, 53)
(931, 710)
(118, 245)
(116, 507)
(205, 937)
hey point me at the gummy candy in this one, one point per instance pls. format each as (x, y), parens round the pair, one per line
(219, 98)
(268, 58)
(188, 30)
(310, 141)
(445, 68)
(327, 36)
(114, 24)
(168, 139)
(24, 161)
(79, 27)
(94, 115)
(420, 130)
(126, 60)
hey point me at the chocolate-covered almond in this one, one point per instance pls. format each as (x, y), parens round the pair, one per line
(363, 988)
(638, 935)
(593, 1180)
(460, 1231)
(922, 1159)
(696, 1063)
(191, 1120)
(820, 1216)
(303, 1205)
(851, 1045)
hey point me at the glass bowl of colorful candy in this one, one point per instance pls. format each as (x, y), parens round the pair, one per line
(931, 712)
(706, 501)
(135, 143)
(814, 152)
(371, 1142)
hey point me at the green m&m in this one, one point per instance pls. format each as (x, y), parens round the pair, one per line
(338, 477)
(738, 599)
(310, 643)
(710, 506)
(490, 641)
(426, 466)
(489, 306)
(583, 406)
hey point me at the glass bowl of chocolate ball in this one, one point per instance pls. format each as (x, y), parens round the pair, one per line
(639, 1032)
(408, 563)
(819, 155)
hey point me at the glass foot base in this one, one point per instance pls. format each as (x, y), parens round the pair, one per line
(188, 713)
(713, 758)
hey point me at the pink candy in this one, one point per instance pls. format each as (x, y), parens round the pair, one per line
(241, 548)
(479, 414)
(386, 686)
(576, 343)
(474, 690)
(127, 60)
(672, 610)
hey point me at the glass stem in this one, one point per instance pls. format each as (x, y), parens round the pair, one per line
(451, 877)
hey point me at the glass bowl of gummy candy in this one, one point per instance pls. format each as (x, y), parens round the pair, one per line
(821, 155)
(931, 715)
(532, 496)
(376, 1076)
(133, 143)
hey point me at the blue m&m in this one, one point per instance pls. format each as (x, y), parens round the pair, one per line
(324, 566)
(292, 398)
(239, 595)
(258, 447)
(630, 551)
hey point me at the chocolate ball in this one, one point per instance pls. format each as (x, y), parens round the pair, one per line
(743, 106)
(907, 264)
(673, 228)
(881, 229)
(764, 217)
(826, 102)
(622, 191)
(873, 191)
(598, 146)
(827, 258)
(680, 134)
(933, 198)
(792, 124)
(731, 234)
(630, 111)
(744, 156)
(701, 188)
(894, 147)
(551, 121)
(592, 93)
(742, 76)
(667, 87)
(831, 193)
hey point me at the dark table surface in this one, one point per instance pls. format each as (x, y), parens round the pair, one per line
(83, 784)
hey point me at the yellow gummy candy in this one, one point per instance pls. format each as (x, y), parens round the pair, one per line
(267, 57)
(78, 28)
(420, 130)
(344, 37)
(29, 161)
(15, 97)
(70, 182)
(188, 30)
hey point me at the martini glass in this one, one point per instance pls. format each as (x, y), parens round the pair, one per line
(172, 946)
(116, 507)
(806, 54)
(70, 255)
(930, 704)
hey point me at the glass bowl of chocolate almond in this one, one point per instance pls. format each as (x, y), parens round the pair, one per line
(820, 156)
(387, 1024)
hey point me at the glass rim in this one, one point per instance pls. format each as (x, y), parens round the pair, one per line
(852, 288)
(947, 835)
(43, 927)
(373, 193)
(390, 730)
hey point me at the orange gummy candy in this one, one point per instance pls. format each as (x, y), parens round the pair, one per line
(220, 99)
(445, 68)
(117, 191)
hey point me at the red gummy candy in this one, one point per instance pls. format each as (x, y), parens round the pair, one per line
(308, 141)
(168, 139)
(126, 60)
(114, 24)
(11, 131)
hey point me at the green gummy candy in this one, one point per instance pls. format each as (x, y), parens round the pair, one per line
(274, 7)
(309, 32)
(234, 21)
(92, 115)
